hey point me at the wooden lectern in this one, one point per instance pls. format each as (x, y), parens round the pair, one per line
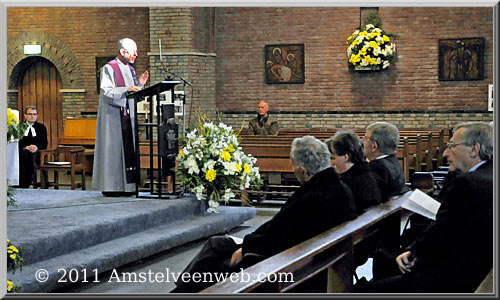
(147, 94)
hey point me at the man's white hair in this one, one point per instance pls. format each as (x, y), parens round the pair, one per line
(126, 43)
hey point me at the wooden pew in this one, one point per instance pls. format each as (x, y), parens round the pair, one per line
(331, 250)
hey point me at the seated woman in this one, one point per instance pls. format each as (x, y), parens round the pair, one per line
(347, 153)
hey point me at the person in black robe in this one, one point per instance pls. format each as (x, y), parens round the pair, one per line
(34, 140)
(322, 202)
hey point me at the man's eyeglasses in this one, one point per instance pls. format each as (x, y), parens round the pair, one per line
(450, 145)
(32, 114)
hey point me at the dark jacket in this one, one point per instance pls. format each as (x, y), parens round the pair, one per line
(389, 175)
(321, 203)
(40, 140)
(263, 125)
(363, 186)
(457, 249)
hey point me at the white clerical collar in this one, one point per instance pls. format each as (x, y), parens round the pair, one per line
(30, 127)
(382, 156)
(474, 168)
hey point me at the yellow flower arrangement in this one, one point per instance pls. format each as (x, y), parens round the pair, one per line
(15, 131)
(369, 49)
(211, 161)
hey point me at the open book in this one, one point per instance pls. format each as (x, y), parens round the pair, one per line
(422, 204)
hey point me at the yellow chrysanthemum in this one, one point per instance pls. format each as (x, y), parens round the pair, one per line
(386, 38)
(226, 156)
(246, 168)
(10, 285)
(230, 148)
(181, 153)
(12, 256)
(13, 248)
(210, 175)
(354, 58)
(11, 117)
(354, 43)
(238, 167)
(374, 34)
(364, 33)
(362, 52)
(373, 44)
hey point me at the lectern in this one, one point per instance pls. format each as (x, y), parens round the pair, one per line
(147, 94)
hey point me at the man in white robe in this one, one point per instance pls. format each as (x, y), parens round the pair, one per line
(109, 174)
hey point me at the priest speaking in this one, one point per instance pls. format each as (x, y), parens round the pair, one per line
(114, 156)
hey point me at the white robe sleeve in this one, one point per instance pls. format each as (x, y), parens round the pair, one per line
(112, 94)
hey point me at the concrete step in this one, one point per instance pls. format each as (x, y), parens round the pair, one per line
(50, 231)
(111, 254)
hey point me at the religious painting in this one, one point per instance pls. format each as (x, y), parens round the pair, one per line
(100, 61)
(284, 63)
(461, 59)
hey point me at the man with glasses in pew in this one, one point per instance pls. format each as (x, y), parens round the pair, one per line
(455, 252)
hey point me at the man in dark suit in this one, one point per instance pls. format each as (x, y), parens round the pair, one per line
(454, 253)
(321, 203)
(35, 139)
(380, 146)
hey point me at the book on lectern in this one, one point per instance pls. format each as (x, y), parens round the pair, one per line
(422, 204)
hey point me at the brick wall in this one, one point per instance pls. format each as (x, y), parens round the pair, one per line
(82, 33)
(410, 85)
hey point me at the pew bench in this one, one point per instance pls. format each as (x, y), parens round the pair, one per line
(331, 250)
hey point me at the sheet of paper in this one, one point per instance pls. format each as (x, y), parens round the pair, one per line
(419, 202)
(236, 239)
(59, 163)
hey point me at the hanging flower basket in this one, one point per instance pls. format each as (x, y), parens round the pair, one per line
(370, 49)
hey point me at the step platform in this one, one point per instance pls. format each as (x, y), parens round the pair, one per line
(63, 231)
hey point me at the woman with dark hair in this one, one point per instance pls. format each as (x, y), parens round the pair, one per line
(348, 159)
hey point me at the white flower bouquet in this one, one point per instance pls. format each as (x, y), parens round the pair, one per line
(370, 49)
(212, 164)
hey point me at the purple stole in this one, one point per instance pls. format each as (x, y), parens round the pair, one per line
(127, 134)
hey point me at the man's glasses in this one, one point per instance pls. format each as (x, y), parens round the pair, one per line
(32, 114)
(450, 145)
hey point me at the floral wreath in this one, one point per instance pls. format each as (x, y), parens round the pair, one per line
(370, 49)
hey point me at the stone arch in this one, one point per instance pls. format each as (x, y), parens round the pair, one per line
(53, 49)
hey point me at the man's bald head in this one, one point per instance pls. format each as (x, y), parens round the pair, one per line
(263, 108)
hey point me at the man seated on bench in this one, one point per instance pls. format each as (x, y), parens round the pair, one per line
(380, 146)
(263, 124)
(322, 202)
(455, 253)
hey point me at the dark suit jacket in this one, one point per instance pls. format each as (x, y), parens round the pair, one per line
(457, 249)
(321, 203)
(363, 186)
(389, 175)
(263, 125)
(40, 140)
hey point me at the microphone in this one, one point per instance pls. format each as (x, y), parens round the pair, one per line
(182, 78)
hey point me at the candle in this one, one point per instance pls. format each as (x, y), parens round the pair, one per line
(159, 43)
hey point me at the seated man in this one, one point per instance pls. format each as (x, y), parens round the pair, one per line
(263, 124)
(35, 138)
(380, 145)
(455, 253)
(321, 203)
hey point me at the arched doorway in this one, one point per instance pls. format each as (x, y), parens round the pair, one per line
(39, 83)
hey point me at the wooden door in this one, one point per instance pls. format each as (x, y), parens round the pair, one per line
(39, 86)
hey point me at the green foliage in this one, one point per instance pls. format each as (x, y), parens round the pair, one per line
(11, 199)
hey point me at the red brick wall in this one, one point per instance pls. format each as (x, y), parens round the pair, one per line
(88, 32)
(411, 83)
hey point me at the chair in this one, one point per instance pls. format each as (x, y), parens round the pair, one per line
(63, 158)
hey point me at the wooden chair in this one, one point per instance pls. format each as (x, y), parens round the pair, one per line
(63, 158)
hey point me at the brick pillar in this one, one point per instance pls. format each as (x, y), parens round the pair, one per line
(185, 51)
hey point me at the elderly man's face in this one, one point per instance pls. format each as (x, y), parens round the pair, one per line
(129, 53)
(263, 108)
(457, 153)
